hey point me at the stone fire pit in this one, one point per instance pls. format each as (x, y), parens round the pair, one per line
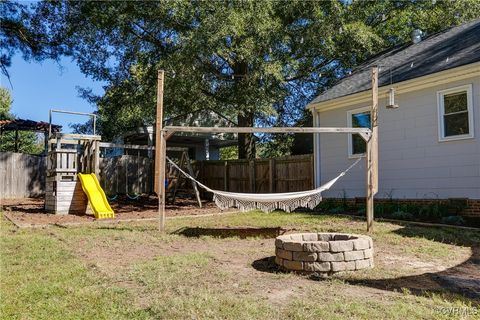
(324, 253)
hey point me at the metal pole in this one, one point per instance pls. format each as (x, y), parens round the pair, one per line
(49, 123)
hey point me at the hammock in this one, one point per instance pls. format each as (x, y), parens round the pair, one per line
(267, 202)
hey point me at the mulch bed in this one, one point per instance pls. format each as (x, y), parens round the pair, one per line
(30, 212)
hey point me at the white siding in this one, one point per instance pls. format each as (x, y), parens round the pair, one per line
(412, 161)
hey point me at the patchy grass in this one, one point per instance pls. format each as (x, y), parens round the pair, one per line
(130, 270)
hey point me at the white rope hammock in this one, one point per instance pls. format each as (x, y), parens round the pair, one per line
(267, 202)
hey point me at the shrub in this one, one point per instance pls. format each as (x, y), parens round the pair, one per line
(401, 215)
(336, 210)
(455, 220)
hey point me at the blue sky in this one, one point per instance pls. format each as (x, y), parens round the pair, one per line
(37, 87)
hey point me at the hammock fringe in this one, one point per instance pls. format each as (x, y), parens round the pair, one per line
(224, 202)
(267, 202)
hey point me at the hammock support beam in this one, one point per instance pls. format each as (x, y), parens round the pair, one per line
(369, 135)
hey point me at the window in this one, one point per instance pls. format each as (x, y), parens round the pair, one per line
(358, 118)
(455, 113)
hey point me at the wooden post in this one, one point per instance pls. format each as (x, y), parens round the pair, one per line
(271, 176)
(161, 179)
(372, 153)
(251, 174)
(158, 129)
(96, 159)
(160, 152)
(312, 175)
(194, 184)
(226, 178)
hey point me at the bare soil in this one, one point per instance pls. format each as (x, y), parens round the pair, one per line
(29, 212)
(251, 261)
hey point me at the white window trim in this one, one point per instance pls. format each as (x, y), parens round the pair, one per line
(349, 136)
(441, 113)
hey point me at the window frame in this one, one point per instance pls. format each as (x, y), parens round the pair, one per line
(441, 113)
(352, 155)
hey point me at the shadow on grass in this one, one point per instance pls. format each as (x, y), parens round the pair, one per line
(462, 279)
(266, 265)
(229, 232)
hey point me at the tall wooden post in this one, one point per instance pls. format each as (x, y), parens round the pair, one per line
(160, 150)
(372, 152)
(161, 177)
(96, 158)
(158, 129)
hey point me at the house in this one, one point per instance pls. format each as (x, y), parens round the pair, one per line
(200, 146)
(429, 147)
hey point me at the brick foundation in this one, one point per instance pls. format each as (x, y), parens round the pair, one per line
(469, 207)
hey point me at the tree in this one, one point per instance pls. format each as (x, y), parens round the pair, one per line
(26, 141)
(240, 58)
(5, 103)
(257, 62)
(21, 33)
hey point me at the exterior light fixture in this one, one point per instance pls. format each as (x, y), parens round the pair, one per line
(391, 99)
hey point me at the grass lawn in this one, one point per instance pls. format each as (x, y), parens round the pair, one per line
(130, 270)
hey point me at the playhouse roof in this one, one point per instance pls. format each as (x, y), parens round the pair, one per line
(27, 125)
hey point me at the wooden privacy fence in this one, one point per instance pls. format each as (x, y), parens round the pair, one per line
(126, 174)
(21, 175)
(285, 174)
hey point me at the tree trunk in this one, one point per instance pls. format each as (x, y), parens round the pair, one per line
(246, 116)
(246, 141)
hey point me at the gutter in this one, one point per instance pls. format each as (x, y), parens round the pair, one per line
(459, 73)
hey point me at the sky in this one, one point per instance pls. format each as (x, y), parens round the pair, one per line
(37, 87)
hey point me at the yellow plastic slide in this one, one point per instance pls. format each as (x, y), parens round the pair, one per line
(96, 197)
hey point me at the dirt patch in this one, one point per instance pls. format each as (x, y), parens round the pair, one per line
(248, 265)
(30, 212)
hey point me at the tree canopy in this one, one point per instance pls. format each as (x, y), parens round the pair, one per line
(255, 62)
(27, 142)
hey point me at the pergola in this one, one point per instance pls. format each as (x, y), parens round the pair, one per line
(17, 125)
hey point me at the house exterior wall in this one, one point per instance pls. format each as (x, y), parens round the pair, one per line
(213, 152)
(198, 151)
(413, 164)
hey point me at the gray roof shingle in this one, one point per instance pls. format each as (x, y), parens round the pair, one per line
(448, 49)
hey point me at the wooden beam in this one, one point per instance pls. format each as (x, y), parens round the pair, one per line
(137, 147)
(158, 129)
(168, 134)
(365, 131)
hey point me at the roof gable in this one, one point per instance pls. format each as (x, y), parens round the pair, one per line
(448, 49)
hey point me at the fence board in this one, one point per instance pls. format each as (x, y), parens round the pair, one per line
(284, 174)
(21, 175)
(126, 174)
